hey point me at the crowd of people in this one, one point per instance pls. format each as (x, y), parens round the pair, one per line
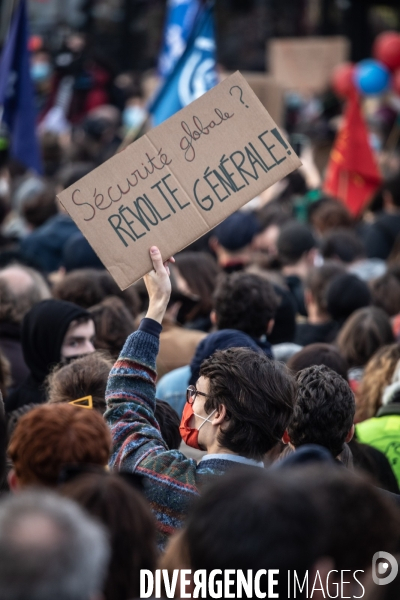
(238, 408)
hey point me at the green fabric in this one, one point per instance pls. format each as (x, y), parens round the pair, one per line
(383, 433)
(302, 205)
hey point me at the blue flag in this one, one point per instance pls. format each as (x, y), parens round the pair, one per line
(16, 93)
(194, 73)
(181, 15)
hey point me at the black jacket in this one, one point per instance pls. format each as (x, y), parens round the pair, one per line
(379, 237)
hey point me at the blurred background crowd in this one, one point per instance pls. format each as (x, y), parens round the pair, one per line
(307, 273)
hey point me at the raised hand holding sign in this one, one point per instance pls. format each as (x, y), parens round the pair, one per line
(180, 180)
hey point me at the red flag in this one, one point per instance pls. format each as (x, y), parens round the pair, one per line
(352, 174)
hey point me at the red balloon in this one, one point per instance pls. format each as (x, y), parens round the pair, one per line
(343, 80)
(396, 82)
(387, 49)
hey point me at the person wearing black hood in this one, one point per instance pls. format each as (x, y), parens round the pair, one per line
(52, 331)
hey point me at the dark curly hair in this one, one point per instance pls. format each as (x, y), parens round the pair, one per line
(258, 394)
(246, 302)
(324, 409)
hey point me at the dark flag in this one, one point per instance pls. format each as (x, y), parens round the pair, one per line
(194, 73)
(16, 93)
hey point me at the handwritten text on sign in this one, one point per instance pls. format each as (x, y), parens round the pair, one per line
(181, 179)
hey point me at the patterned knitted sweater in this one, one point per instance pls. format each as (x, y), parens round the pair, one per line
(172, 480)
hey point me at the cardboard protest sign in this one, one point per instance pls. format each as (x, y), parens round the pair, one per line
(305, 64)
(268, 91)
(179, 180)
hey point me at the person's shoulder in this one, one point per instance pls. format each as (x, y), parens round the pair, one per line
(171, 467)
(369, 427)
(56, 225)
(218, 466)
(177, 376)
(313, 333)
(386, 224)
(385, 217)
(293, 280)
(175, 331)
(304, 333)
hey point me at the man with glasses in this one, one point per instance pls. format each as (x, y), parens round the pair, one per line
(237, 411)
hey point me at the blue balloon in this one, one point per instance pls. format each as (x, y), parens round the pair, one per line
(371, 77)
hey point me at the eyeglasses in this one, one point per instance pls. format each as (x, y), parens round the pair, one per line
(191, 394)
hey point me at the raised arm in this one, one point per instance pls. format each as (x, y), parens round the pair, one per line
(131, 387)
(158, 286)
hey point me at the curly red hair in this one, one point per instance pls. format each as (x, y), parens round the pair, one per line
(52, 436)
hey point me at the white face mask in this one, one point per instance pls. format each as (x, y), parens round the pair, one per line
(205, 419)
(4, 187)
(133, 117)
(40, 71)
(318, 260)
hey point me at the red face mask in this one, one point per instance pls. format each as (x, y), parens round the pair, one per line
(190, 435)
